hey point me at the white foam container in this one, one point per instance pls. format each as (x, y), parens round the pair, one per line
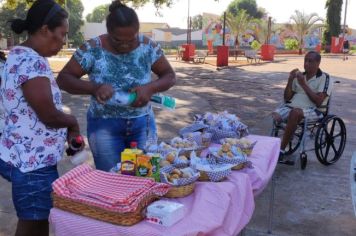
(165, 213)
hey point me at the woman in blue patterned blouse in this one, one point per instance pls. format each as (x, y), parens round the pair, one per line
(121, 59)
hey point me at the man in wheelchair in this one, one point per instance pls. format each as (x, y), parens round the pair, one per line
(306, 96)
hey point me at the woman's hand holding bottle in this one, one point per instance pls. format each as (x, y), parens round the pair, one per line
(103, 92)
(139, 97)
(143, 95)
(73, 131)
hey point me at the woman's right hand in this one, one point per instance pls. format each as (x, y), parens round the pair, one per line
(103, 92)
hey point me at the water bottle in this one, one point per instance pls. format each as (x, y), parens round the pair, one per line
(122, 98)
(163, 101)
(75, 151)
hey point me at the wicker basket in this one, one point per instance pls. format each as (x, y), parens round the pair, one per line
(180, 191)
(247, 151)
(125, 219)
(204, 177)
(238, 167)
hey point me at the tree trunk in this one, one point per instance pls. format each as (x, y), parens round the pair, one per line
(301, 46)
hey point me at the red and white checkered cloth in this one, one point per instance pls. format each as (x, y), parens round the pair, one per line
(111, 191)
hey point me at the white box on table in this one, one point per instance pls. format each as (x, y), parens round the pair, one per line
(165, 213)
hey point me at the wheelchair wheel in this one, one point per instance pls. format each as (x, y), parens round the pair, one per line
(294, 144)
(330, 140)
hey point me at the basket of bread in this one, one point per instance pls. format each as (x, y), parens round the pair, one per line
(229, 154)
(209, 169)
(185, 145)
(170, 156)
(244, 144)
(203, 139)
(223, 125)
(182, 181)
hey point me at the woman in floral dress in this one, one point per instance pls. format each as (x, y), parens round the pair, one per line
(36, 128)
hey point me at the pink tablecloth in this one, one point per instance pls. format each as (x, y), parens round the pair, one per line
(264, 159)
(214, 209)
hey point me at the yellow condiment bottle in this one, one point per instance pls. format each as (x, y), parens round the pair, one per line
(128, 162)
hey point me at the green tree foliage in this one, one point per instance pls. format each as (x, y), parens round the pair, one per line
(75, 8)
(18, 9)
(99, 14)
(291, 44)
(303, 24)
(333, 20)
(239, 23)
(260, 29)
(197, 22)
(157, 3)
(250, 6)
(7, 12)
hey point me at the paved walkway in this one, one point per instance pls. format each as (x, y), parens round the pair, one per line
(312, 202)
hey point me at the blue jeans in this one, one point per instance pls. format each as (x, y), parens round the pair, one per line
(109, 137)
(31, 191)
(152, 128)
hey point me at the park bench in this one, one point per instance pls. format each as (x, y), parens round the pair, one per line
(252, 55)
(199, 56)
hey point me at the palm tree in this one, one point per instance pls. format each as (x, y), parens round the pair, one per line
(304, 23)
(260, 29)
(238, 24)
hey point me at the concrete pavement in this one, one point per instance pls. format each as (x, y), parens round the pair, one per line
(316, 201)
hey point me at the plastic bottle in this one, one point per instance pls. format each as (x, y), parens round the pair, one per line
(75, 145)
(134, 149)
(133, 145)
(75, 151)
(122, 98)
(128, 162)
(163, 101)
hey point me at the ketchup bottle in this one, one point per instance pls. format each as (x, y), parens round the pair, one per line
(76, 144)
(76, 152)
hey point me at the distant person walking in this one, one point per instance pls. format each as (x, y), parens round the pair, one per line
(345, 49)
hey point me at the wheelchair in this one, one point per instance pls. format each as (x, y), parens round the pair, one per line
(329, 135)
